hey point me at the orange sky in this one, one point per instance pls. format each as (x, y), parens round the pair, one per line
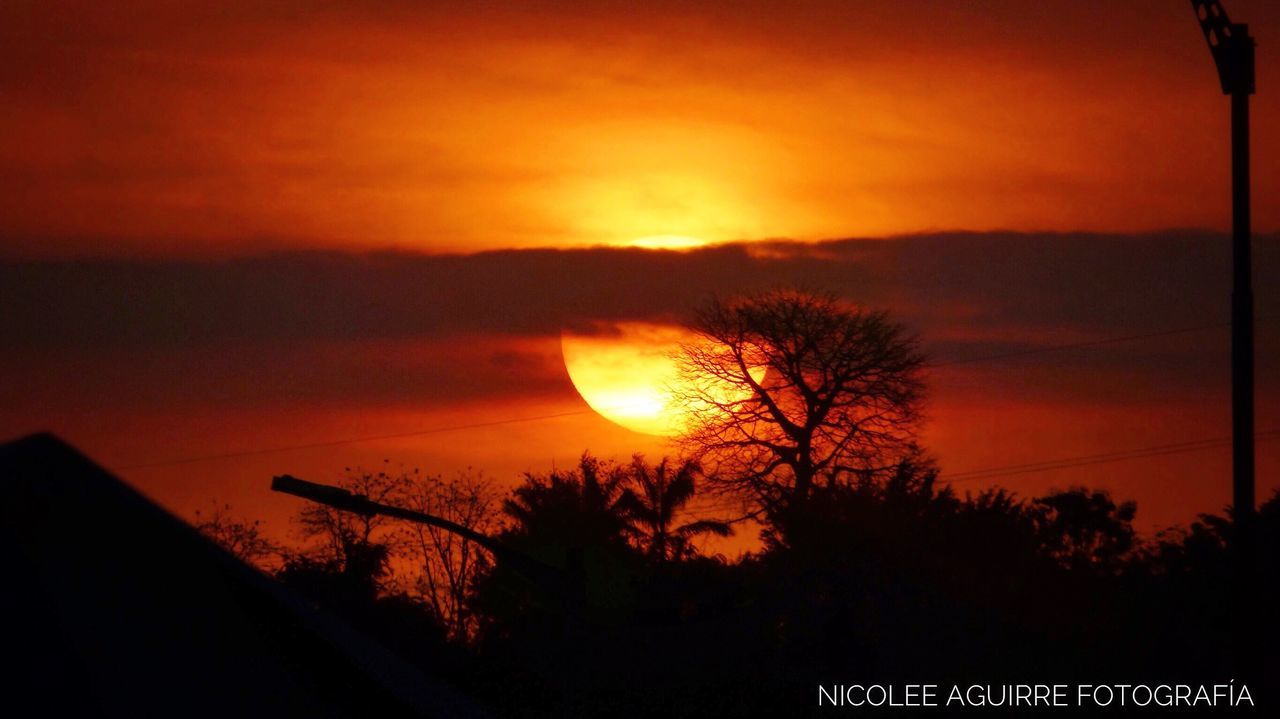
(143, 363)
(173, 128)
(155, 156)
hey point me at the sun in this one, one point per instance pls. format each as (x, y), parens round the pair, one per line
(628, 374)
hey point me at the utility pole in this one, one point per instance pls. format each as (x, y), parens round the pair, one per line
(1233, 54)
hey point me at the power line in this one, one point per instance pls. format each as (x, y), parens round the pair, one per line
(572, 413)
(1084, 344)
(1190, 445)
(354, 440)
(704, 511)
(1105, 458)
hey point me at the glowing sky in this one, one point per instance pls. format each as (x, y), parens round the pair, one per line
(232, 127)
(196, 201)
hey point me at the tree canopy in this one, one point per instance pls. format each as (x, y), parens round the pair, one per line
(789, 390)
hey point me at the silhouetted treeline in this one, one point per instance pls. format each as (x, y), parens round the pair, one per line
(893, 577)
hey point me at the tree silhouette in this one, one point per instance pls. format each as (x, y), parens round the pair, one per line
(242, 539)
(575, 508)
(449, 565)
(891, 572)
(347, 563)
(1086, 529)
(572, 520)
(656, 496)
(358, 546)
(788, 389)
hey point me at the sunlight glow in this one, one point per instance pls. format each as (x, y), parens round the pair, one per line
(669, 242)
(628, 374)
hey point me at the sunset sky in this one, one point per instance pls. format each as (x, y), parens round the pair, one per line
(238, 227)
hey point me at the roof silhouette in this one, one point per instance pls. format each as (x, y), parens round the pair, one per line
(115, 607)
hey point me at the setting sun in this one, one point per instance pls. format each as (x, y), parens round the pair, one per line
(629, 374)
(626, 375)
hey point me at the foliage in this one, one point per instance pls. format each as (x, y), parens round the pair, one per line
(570, 508)
(600, 601)
(653, 501)
(891, 575)
(573, 521)
(1086, 529)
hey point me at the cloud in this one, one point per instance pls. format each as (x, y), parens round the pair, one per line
(151, 359)
(392, 329)
(982, 283)
(299, 375)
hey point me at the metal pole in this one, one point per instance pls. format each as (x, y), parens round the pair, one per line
(1233, 54)
(545, 574)
(1232, 49)
(1241, 316)
(1245, 605)
(567, 588)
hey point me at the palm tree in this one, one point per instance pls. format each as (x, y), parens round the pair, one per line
(656, 495)
(577, 507)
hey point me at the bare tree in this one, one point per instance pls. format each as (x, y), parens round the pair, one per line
(357, 544)
(449, 564)
(378, 556)
(243, 539)
(787, 390)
